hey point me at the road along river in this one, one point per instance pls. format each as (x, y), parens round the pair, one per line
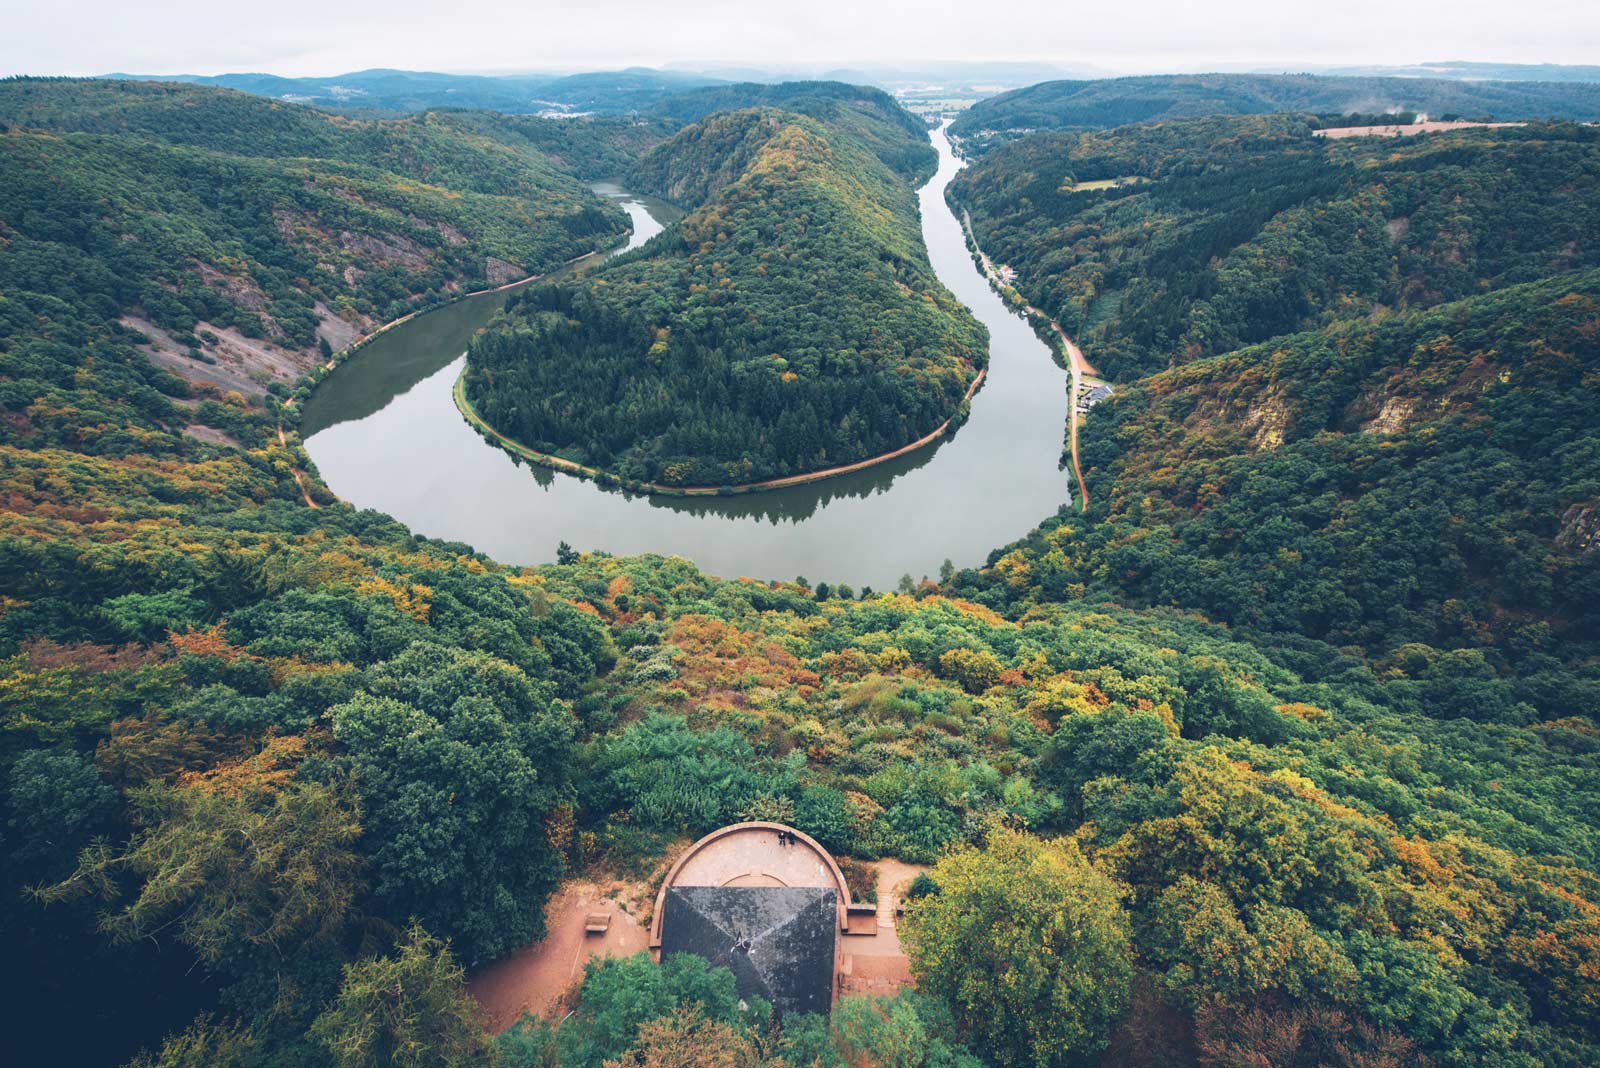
(384, 432)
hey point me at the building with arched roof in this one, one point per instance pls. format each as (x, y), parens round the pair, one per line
(770, 904)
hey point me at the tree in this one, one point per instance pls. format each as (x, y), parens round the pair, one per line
(909, 1030)
(686, 1039)
(244, 858)
(204, 1044)
(621, 994)
(56, 800)
(566, 554)
(975, 669)
(1029, 944)
(461, 759)
(407, 1010)
(1210, 950)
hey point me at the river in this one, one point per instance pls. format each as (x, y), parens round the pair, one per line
(385, 434)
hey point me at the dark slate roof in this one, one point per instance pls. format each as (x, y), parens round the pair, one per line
(778, 941)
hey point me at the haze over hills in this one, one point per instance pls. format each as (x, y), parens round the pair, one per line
(1113, 102)
(628, 90)
(1470, 70)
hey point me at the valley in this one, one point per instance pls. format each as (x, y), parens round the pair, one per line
(400, 445)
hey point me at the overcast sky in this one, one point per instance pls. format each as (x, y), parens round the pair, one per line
(317, 37)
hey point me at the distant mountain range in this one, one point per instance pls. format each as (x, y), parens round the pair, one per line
(1469, 70)
(1469, 87)
(1089, 105)
(608, 92)
(635, 89)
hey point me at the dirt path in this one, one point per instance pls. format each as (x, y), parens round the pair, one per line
(465, 407)
(536, 978)
(299, 476)
(1077, 365)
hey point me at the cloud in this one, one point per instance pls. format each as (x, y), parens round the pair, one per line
(307, 37)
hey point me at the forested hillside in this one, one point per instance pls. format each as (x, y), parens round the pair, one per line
(869, 115)
(789, 323)
(1224, 232)
(271, 775)
(1103, 103)
(1423, 488)
(234, 234)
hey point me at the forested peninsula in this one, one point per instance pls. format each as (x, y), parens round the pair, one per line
(789, 323)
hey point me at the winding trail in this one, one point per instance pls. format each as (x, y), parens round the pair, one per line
(299, 476)
(1077, 365)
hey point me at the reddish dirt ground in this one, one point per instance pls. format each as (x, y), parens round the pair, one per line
(535, 978)
(877, 965)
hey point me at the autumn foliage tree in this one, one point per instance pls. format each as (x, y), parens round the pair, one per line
(1029, 944)
(405, 1010)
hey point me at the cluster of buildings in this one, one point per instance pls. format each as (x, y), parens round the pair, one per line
(1088, 398)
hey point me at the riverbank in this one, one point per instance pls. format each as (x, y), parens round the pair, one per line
(308, 383)
(386, 434)
(1077, 365)
(559, 463)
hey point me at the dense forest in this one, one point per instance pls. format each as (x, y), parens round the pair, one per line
(273, 776)
(1104, 103)
(1340, 452)
(790, 323)
(1422, 488)
(867, 115)
(219, 219)
(1224, 232)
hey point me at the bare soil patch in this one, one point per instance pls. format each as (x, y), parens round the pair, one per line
(537, 978)
(211, 435)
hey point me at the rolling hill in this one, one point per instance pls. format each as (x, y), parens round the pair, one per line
(234, 233)
(402, 91)
(1099, 104)
(789, 323)
(1228, 231)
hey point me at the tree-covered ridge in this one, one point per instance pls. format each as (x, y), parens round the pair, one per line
(590, 147)
(869, 115)
(182, 205)
(1248, 228)
(1423, 487)
(1103, 103)
(790, 323)
(404, 91)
